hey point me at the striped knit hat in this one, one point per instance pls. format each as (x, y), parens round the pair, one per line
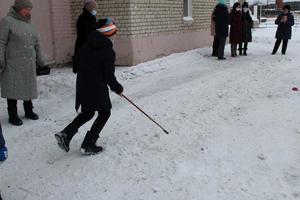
(107, 27)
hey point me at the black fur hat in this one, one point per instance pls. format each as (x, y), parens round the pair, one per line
(287, 7)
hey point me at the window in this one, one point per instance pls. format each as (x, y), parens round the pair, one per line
(187, 11)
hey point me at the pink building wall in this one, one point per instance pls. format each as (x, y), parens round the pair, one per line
(53, 20)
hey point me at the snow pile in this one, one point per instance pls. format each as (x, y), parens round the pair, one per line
(234, 132)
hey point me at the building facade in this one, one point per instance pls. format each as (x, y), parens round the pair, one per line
(147, 28)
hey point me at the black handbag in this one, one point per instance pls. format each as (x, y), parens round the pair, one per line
(42, 71)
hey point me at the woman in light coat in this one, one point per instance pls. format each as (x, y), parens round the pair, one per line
(20, 53)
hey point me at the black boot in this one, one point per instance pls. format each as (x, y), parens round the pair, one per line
(89, 146)
(29, 114)
(64, 137)
(63, 141)
(13, 117)
(245, 52)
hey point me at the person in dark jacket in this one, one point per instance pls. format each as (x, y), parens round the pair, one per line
(95, 73)
(285, 21)
(247, 24)
(85, 25)
(221, 18)
(213, 33)
(3, 149)
(235, 28)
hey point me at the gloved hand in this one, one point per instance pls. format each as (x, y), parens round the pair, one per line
(3, 154)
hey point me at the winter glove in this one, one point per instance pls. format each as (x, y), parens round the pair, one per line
(75, 61)
(3, 154)
(117, 88)
(40, 71)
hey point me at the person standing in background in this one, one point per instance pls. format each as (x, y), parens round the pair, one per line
(221, 18)
(213, 33)
(235, 28)
(86, 23)
(285, 21)
(20, 54)
(247, 25)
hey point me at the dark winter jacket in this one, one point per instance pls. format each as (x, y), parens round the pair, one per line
(2, 141)
(96, 72)
(246, 27)
(235, 27)
(221, 18)
(86, 24)
(284, 30)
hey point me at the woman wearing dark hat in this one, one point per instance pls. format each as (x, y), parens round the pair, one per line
(235, 28)
(86, 24)
(285, 21)
(20, 53)
(95, 73)
(247, 24)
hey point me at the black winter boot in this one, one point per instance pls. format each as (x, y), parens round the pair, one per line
(29, 114)
(13, 117)
(63, 141)
(245, 52)
(89, 146)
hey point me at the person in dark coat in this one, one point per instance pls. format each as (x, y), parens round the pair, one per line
(3, 150)
(86, 24)
(285, 21)
(213, 33)
(221, 18)
(247, 24)
(95, 74)
(235, 28)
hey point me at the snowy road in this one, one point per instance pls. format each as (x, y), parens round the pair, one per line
(233, 133)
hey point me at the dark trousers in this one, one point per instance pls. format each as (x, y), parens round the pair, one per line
(222, 42)
(215, 46)
(241, 48)
(233, 49)
(12, 104)
(277, 44)
(81, 119)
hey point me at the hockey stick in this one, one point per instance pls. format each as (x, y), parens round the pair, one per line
(145, 113)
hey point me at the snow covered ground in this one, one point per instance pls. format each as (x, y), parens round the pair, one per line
(233, 132)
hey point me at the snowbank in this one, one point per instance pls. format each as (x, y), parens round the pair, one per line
(233, 132)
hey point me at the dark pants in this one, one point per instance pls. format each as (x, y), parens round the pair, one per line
(277, 44)
(241, 48)
(81, 119)
(215, 46)
(222, 42)
(12, 105)
(233, 49)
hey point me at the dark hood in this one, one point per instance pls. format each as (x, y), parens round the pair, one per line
(97, 41)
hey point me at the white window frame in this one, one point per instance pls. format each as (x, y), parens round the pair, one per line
(188, 11)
